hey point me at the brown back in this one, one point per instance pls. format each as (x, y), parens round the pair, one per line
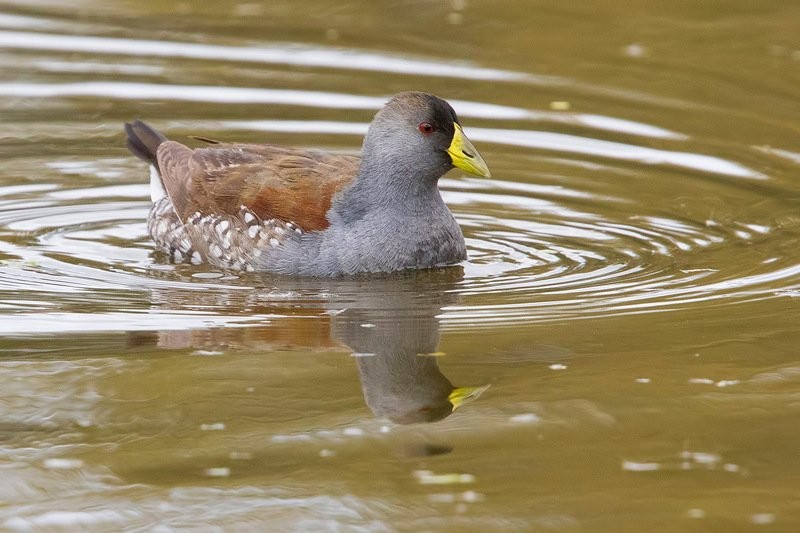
(289, 184)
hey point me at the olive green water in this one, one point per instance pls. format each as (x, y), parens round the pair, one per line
(632, 297)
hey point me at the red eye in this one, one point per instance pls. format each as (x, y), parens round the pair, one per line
(426, 128)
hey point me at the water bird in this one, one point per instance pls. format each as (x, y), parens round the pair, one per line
(261, 207)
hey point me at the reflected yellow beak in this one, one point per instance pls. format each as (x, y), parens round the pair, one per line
(465, 156)
(463, 394)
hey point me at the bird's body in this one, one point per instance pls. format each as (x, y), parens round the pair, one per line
(303, 212)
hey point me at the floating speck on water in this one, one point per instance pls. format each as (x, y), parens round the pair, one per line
(730, 467)
(327, 453)
(727, 383)
(218, 472)
(362, 354)
(634, 466)
(250, 389)
(701, 381)
(472, 496)
(217, 426)
(426, 477)
(60, 463)
(702, 458)
(524, 418)
(207, 353)
(696, 513)
(757, 228)
(560, 105)
(353, 432)
(557, 366)
(762, 518)
(642, 380)
(367, 325)
(635, 50)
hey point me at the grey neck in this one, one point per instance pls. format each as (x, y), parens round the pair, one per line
(388, 187)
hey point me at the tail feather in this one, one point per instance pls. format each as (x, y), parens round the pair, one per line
(143, 141)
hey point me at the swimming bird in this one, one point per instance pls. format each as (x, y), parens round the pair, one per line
(261, 207)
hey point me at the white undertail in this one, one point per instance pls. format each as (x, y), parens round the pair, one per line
(157, 191)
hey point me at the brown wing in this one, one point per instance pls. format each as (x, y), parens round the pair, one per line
(288, 184)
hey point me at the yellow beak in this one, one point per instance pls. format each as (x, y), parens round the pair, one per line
(465, 156)
(463, 394)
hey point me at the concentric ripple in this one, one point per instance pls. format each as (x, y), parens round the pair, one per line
(537, 253)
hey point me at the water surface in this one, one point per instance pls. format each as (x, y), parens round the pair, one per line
(621, 343)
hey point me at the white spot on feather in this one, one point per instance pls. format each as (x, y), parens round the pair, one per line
(161, 227)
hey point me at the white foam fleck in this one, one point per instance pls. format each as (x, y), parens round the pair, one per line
(427, 477)
(762, 518)
(634, 466)
(208, 353)
(701, 381)
(524, 418)
(218, 472)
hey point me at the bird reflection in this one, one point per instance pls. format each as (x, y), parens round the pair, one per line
(394, 335)
(389, 323)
